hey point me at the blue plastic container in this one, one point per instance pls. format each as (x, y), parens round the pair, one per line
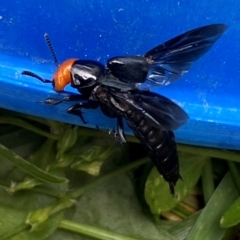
(98, 30)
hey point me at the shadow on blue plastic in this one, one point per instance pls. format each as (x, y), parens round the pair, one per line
(209, 93)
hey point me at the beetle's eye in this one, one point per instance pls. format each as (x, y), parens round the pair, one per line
(76, 79)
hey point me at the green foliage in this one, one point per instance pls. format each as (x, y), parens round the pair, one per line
(157, 192)
(232, 216)
(59, 181)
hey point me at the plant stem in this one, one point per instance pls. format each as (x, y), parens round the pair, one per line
(210, 152)
(90, 231)
(207, 181)
(183, 208)
(93, 132)
(179, 213)
(49, 192)
(192, 201)
(235, 175)
(33, 118)
(205, 151)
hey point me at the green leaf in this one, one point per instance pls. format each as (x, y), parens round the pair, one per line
(95, 153)
(67, 139)
(92, 158)
(14, 210)
(44, 155)
(29, 168)
(157, 192)
(232, 216)
(89, 186)
(207, 225)
(18, 138)
(23, 143)
(182, 229)
(38, 218)
(92, 168)
(62, 162)
(57, 128)
(112, 207)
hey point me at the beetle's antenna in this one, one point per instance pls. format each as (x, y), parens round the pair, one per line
(51, 49)
(31, 74)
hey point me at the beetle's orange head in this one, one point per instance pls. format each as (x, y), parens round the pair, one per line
(62, 77)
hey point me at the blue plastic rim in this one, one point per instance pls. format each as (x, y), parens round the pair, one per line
(98, 30)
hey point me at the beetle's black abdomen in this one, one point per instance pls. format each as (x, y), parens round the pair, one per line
(146, 117)
(160, 145)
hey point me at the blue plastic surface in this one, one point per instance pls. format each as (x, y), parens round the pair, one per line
(98, 30)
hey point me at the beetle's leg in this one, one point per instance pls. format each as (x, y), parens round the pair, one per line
(52, 101)
(75, 97)
(120, 131)
(105, 130)
(119, 134)
(111, 132)
(76, 109)
(55, 101)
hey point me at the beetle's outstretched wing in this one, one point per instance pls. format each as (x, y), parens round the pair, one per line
(163, 113)
(167, 62)
(173, 58)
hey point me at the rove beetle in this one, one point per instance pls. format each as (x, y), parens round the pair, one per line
(116, 90)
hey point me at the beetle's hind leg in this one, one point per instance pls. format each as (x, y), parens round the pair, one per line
(119, 134)
(120, 130)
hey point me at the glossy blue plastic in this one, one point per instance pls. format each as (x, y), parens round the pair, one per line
(98, 30)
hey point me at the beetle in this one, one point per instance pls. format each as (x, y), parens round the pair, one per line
(115, 88)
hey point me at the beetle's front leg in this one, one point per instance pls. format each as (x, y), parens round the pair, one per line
(74, 97)
(76, 109)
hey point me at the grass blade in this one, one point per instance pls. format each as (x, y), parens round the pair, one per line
(232, 216)
(26, 125)
(210, 152)
(207, 226)
(91, 231)
(207, 181)
(181, 230)
(235, 174)
(29, 168)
